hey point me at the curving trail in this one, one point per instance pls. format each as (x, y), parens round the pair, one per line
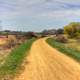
(46, 63)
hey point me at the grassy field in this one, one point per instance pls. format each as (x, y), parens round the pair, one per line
(73, 43)
(13, 62)
(75, 54)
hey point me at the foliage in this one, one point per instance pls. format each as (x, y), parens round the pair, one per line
(59, 31)
(73, 29)
(75, 54)
(30, 35)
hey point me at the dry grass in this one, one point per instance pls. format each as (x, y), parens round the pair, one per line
(14, 60)
(3, 41)
(73, 43)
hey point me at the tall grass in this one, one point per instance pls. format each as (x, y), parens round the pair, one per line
(75, 54)
(14, 60)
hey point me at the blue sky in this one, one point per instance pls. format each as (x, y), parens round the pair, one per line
(36, 15)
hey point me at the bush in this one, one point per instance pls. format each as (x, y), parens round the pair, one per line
(61, 38)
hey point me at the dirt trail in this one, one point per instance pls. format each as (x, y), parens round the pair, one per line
(46, 63)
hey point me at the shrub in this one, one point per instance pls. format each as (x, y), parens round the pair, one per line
(61, 38)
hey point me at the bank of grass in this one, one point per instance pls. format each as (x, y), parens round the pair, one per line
(15, 59)
(75, 54)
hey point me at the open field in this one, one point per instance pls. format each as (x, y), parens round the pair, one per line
(73, 43)
(46, 63)
(13, 61)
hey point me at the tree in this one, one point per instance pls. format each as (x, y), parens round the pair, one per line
(59, 31)
(29, 35)
(73, 29)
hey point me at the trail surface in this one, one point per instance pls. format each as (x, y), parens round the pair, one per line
(46, 63)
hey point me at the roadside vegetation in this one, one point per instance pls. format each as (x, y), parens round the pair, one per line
(73, 43)
(72, 52)
(67, 40)
(12, 63)
(72, 30)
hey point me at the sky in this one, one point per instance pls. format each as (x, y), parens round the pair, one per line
(37, 15)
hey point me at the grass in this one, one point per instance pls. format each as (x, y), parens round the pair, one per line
(15, 59)
(73, 43)
(75, 54)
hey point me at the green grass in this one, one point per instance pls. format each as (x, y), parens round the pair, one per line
(75, 54)
(15, 59)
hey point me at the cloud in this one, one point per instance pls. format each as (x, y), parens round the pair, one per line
(29, 12)
(61, 14)
(36, 6)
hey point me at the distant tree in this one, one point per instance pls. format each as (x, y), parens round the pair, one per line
(29, 35)
(44, 32)
(59, 31)
(48, 32)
